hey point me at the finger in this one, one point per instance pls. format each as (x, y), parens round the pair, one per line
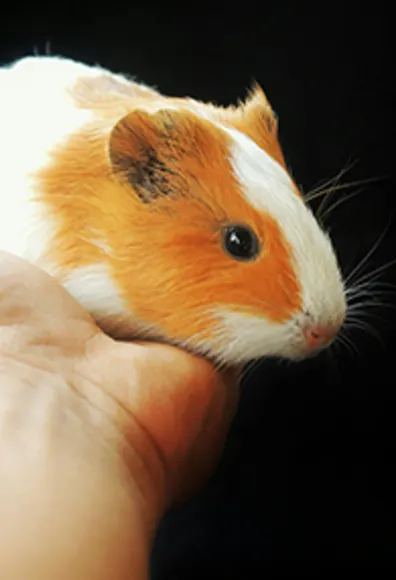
(161, 367)
(207, 448)
(171, 391)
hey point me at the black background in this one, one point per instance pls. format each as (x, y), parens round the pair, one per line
(307, 479)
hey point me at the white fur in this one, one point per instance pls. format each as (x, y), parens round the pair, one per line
(36, 113)
(94, 288)
(243, 337)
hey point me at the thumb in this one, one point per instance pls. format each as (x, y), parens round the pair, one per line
(178, 406)
(167, 389)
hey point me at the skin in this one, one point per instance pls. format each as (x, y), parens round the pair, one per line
(98, 438)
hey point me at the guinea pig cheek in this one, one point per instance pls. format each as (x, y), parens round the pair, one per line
(268, 286)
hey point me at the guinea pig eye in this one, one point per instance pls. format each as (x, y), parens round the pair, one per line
(240, 242)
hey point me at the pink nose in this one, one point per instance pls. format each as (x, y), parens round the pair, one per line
(318, 336)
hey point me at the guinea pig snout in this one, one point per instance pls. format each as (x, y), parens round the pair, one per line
(320, 335)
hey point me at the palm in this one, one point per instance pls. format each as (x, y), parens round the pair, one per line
(175, 400)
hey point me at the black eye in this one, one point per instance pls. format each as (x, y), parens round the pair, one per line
(240, 242)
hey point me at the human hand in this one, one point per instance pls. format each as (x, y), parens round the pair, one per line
(97, 437)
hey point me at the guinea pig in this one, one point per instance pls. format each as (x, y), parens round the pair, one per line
(166, 218)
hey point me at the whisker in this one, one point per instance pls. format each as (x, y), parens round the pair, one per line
(333, 179)
(365, 305)
(368, 294)
(250, 369)
(373, 273)
(369, 254)
(314, 194)
(338, 202)
(361, 324)
(367, 328)
(362, 305)
(349, 345)
(367, 298)
(334, 360)
(371, 286)
(369, 315)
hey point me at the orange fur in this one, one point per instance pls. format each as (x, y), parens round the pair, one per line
(166, 256)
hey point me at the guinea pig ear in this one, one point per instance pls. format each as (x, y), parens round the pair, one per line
(255, 118)
(257, 109)
(143, 150)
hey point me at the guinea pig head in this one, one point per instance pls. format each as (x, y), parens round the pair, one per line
(219, 253)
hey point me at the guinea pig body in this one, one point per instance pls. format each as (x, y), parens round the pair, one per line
(166, 218)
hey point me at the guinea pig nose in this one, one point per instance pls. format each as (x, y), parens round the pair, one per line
(319, 335)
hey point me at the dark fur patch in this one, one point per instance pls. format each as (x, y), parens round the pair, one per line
(146, 150)
(149, 176)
